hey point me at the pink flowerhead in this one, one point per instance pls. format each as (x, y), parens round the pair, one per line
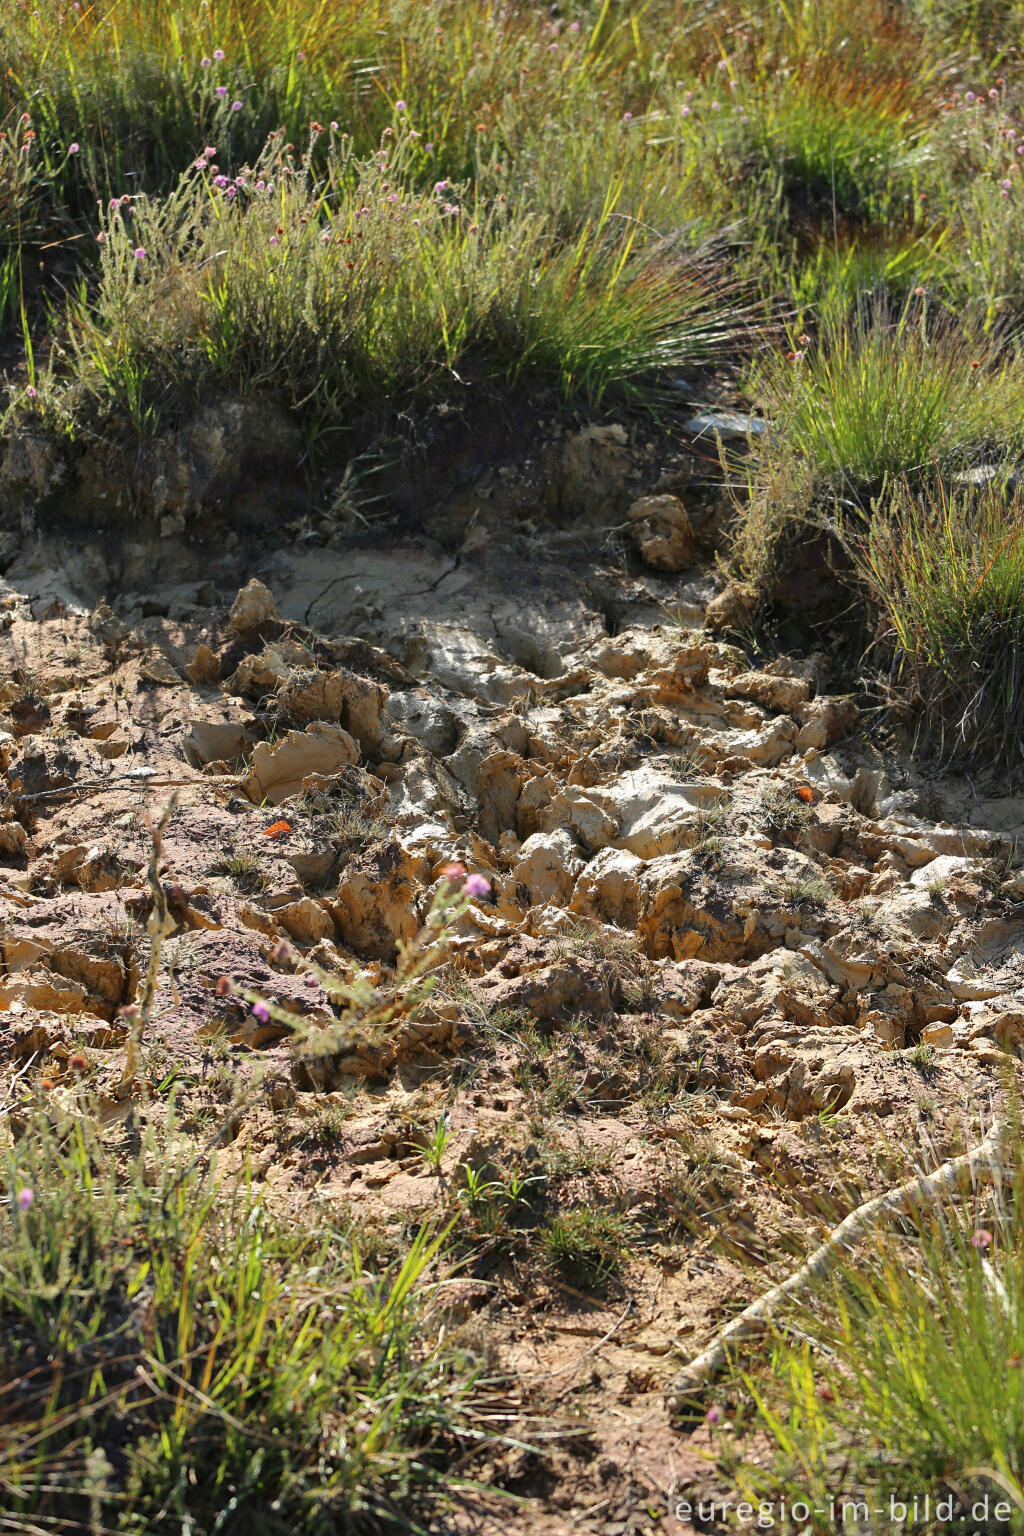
(713, 1415)
(476, 885)
(273, 239)
(399, 106)
(140, 253)
(24, 1198)
(454, 870)
(969, 97)
(218, 54)
(222, 91)
(982, 1239)
(204, 63)
(627, 117)
(261, 1011)
(334, 127)
(441, 186)
(73, 149)
(210, 151)
(236, 106)
(30, 392)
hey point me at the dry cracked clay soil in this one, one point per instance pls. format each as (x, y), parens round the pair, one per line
(742, 962)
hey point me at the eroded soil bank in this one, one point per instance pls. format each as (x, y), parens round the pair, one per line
(743, 960)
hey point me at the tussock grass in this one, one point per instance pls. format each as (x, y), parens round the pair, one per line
(189, 1360)
(878, 393)
(357, 287)
(946, 569)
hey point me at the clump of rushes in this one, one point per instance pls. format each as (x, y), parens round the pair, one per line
(354, 286)
(232, 1367)
(905, 1375)
(946, 569)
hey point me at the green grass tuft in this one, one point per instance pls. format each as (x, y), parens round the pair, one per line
(188, 1359)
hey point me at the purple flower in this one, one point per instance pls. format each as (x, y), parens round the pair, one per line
(429, 148)
(399, 106)
(200, 165)
(30, 392)
(969, 97)
(260, 185)
(261, 1011)
(204, 63)
(334, 127)
(210, 151)
(476, 885)
(982, 1239)
(140, 253)
(231, 192)
(24, 1198)
(236, 106)
(220, 181)
(73, 149)
(713, 1415)
(441, 186)
(115, 202)
(218, 54)
(627, 117)
(273, 239)
(222, 91)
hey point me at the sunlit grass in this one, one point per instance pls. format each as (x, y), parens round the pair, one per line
(905, 1376)
(189, 1360)
(946, 568)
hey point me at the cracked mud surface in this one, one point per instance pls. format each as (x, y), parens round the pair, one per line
(738, 964)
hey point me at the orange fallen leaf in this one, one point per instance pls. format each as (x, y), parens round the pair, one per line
(277, 829)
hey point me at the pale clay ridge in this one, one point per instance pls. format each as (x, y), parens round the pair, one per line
(683, 851)
(580, 810)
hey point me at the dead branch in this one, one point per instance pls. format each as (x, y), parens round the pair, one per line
(982, 1164)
